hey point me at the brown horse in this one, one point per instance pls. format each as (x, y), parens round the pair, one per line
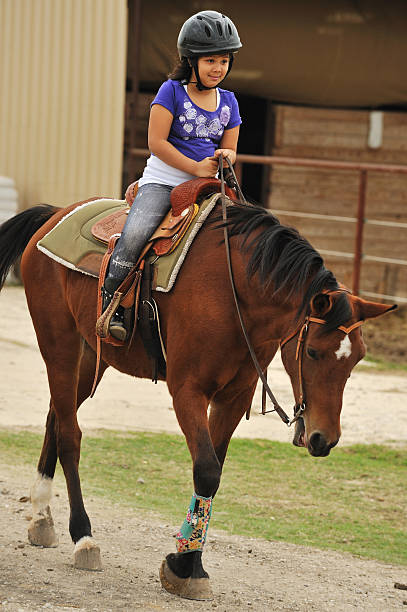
(280, 281)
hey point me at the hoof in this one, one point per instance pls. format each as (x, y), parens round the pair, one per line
(41, 530)
(87, 555)
(189, 588)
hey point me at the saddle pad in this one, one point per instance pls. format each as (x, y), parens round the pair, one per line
(72, 244)
(71, 239)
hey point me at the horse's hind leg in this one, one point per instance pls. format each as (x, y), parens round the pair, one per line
(70, 385)
(41, 530)
(87, 553)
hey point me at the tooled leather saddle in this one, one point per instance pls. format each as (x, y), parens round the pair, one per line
(183, 199)
(184, 207)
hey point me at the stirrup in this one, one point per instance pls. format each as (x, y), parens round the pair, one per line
(116, 326)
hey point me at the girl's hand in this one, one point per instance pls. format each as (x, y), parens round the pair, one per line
(229, 153)
(207, 167)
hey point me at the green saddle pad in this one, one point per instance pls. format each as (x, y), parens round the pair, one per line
(71, 239)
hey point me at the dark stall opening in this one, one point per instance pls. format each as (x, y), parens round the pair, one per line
(255, 138)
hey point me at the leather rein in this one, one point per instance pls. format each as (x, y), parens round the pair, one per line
(302, 330)
(266, 389)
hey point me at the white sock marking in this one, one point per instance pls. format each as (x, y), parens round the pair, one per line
(41, 493)
(85, 542)
(345, 348)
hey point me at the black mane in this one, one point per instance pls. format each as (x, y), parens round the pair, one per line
(284, 260)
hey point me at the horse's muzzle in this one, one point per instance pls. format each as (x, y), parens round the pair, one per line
(317, 444)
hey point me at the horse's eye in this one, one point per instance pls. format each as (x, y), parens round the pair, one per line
(312, 353)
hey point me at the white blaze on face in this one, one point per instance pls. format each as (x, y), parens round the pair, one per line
(345, 348)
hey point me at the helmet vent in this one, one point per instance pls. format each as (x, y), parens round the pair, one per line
(230, 30)
(219, 28)
(208, 32)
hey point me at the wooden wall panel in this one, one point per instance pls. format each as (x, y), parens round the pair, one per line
(304, 196)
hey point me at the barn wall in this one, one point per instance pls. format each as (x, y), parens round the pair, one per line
(328, 54)
(300, 195)
(62, 83)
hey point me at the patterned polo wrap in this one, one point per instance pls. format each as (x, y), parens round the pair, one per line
(192, 534)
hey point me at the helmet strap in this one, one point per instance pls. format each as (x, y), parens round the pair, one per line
(199, 85)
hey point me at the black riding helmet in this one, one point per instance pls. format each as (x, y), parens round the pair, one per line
(207, 33)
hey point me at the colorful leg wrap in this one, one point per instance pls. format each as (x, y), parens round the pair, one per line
(192, 534)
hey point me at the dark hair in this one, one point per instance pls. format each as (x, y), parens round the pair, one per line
(181, 71)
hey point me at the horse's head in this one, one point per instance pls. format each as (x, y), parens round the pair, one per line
(319, 356)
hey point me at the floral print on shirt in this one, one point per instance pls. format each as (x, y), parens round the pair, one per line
(198, 125)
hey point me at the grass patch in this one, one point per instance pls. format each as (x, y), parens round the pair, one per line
(353, 500)
(382, 365)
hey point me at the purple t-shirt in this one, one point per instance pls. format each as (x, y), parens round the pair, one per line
(196, 132)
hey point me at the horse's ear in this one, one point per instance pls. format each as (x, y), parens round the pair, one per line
(320, 304)
(370, 310)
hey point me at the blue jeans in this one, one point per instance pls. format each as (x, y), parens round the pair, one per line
(149, 208)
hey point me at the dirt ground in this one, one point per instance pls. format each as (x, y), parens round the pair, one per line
(246, 574)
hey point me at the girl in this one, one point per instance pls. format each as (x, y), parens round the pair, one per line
(192, 122)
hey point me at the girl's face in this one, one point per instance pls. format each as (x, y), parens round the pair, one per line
(213, 69)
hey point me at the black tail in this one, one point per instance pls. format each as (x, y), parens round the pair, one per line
(16, 233)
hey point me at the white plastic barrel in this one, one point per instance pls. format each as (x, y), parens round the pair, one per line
(8, 198)
(8, 208)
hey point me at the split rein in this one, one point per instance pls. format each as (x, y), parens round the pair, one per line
(302, 330)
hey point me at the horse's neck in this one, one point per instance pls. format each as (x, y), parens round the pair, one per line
(269, 317)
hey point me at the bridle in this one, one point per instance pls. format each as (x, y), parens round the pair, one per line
(302, 330)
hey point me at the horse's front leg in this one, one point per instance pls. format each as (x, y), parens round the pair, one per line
(182, 572)
(227, 410)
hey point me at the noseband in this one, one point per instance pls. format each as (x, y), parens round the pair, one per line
(302, 331)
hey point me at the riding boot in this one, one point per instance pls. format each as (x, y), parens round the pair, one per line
(116, 325)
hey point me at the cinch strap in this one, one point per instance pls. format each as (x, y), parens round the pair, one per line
(192, 534)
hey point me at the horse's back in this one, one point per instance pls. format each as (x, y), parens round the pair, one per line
(55, 293)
